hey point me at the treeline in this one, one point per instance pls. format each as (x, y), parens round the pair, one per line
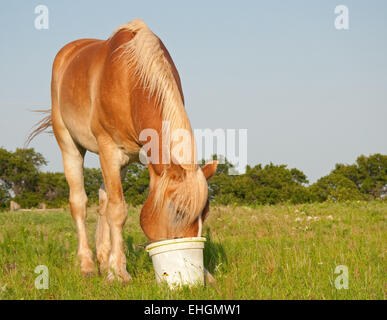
(271, 184)
(22, 181)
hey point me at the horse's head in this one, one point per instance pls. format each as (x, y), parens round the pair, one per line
(177, 201)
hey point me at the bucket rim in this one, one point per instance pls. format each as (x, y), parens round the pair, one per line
(163, 243)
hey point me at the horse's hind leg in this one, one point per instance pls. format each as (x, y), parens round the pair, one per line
(73, 157)
(102, 234)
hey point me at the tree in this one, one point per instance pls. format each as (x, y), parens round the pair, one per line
(335, 187)
(260, 185)
(53, 188)
(4, 197)
(92, 180)
(369, 174)
(298, 176)
(136, 184)
(19, 170)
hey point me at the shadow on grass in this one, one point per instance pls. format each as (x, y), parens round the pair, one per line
(214, 253)
(137, 259)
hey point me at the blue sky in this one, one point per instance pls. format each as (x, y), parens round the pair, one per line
(309, 95)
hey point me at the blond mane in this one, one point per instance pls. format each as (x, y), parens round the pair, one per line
(146, 56)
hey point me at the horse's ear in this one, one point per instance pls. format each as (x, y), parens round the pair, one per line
(209, 169)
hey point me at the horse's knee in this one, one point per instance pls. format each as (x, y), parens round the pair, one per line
(78, 201)
(116, 211)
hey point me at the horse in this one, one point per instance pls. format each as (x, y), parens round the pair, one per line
(104, 95)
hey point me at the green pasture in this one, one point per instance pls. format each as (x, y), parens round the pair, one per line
(267, 252)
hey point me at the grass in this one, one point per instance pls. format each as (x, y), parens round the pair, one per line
(269, 252)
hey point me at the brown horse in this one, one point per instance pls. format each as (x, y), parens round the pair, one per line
(105, 93)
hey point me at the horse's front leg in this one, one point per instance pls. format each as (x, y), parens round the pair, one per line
(111, 160)
(102, 235)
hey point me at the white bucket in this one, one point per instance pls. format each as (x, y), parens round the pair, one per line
(178, 261)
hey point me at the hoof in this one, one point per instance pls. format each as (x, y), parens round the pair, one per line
(88, 268)
(103, 261)
(122, 276)
(88, 274)
(103, 268)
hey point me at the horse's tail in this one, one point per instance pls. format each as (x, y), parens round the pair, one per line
(40, 126)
